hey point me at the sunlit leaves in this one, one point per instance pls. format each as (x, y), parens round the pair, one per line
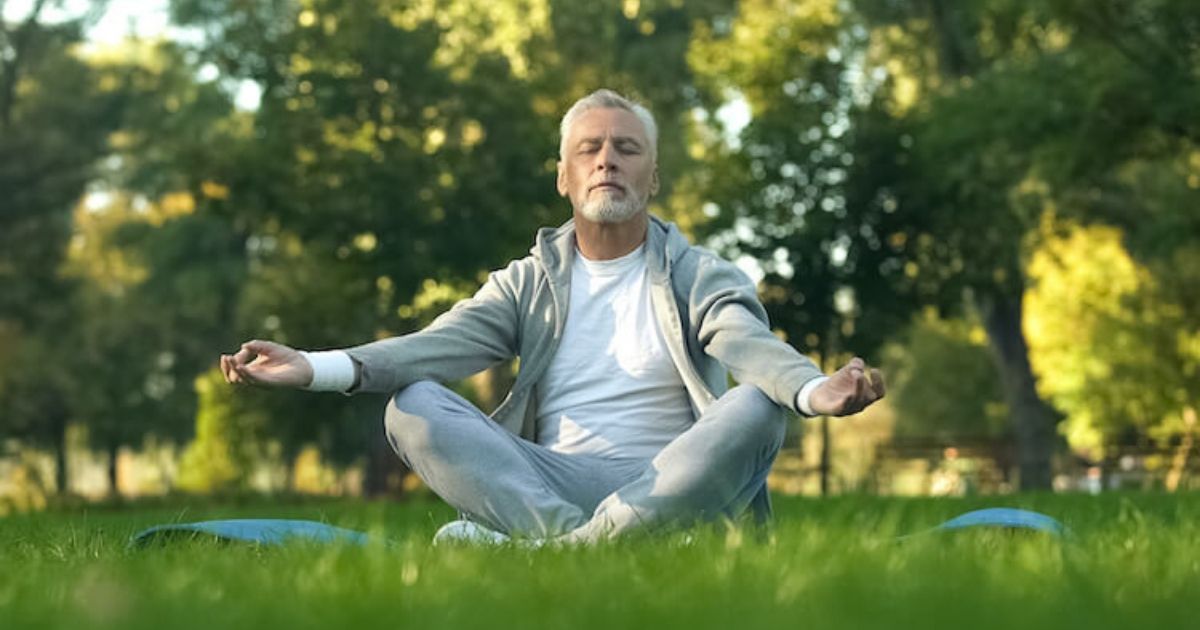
(1110, 347)
(223, 451)
(475, 28)
(766, 47)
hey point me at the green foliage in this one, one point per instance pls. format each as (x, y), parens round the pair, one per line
(900, 153)
(367, 140)
(55, 115)
(779, 193)
(368, 168)
(224, 450)
(1111, 347)
(33, 407)
(943, 382)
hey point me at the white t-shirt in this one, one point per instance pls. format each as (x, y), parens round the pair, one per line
(611, 388)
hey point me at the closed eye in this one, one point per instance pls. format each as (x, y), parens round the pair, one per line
(629, 147)
(626, 146)
(589, 146)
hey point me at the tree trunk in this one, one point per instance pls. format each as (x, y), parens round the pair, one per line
(1179, 462)
(955, 49)
(828, 352)
(289, 471)
(1032, 419)
(13, 65)
(382, 464)
(114, 454)
(826, 452)
(61, 478)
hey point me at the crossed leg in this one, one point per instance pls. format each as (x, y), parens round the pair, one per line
(515, 486)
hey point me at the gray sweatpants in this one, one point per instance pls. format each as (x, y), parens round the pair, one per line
(512, 485)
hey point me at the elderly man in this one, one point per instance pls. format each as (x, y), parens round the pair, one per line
(620, 418)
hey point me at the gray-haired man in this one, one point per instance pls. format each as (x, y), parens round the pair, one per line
(619, 418)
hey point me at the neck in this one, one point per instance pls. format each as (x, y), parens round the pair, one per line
(606, 241)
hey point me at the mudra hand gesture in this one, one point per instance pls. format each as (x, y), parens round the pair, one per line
(848, 391)
(267, 363)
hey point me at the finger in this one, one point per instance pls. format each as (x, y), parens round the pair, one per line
(860, 399)
(230, 375)
(853, 367)
(224, 365)
(235, 372)
(877, 383)
(245, 375)
(243, 356)
(850, 395)
(258, 346)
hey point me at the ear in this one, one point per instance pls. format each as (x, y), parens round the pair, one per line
(654, 181)
(562, 179)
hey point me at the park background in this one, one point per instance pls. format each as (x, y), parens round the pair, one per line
(997, 201)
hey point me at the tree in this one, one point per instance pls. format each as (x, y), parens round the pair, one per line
(143, 274)
(140, 264)
(368, 170)
(944, 116)
(776, 189)
(984, 105)
(55, 117)
(227, 436)
(1112, 348)
(943, 382)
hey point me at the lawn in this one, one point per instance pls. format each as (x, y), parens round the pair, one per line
(1133, 562)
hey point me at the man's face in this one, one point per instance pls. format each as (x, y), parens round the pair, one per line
(608, 170)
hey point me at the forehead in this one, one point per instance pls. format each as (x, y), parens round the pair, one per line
(607, 121)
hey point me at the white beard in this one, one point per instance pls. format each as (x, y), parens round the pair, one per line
(609, 210)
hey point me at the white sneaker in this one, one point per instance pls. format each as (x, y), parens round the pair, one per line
(465, 532)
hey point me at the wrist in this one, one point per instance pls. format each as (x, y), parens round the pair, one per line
(804, 396)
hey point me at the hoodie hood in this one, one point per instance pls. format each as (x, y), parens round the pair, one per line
(555, 248)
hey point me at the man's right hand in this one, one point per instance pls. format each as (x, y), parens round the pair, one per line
(267, 363)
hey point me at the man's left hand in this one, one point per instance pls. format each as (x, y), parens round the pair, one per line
(849, 391)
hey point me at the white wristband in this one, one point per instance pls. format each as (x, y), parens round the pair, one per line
(333, 371)
(805, 393)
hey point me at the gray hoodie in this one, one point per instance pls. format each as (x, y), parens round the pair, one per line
(707, 310)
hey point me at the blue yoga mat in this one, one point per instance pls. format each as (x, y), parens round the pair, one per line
(999, 519)
(280, 531)
(1006, 518)
(259, 531)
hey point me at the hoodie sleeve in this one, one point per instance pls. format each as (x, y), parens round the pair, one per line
(475, 334)
(731, 326)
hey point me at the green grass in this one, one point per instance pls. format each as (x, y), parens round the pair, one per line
(1134, 562)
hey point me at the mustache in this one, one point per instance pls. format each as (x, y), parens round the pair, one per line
(608, 182)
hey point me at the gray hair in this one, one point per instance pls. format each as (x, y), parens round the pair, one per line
(604, 98)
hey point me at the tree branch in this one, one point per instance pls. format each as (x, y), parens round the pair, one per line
(12, 66)
(3, 28)
(1145, 52)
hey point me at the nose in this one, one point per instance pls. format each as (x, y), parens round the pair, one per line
(606, 158)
